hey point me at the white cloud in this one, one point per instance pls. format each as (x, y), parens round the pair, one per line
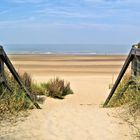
(17, 24)
(67, 13)
(114, 2)
(27, 1)
(82, 17)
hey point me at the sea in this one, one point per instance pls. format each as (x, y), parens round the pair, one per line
(74, 49)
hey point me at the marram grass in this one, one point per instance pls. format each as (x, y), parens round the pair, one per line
(13, 102)
(130, 96)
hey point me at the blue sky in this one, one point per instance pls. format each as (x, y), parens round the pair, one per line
(70, 21)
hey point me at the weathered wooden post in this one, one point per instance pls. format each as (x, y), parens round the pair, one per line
(122, 72)
(1, 74)
(1, 70)
(4, 59)
(134, 58)
(135, 65)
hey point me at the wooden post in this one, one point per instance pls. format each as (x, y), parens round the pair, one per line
(135, 66)
(134, 57)
(1, 67)
(1, 75)
(122, 72)
(3, 80)
(1, 70)
(4, 59)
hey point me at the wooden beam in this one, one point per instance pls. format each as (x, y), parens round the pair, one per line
(8, 63)
(124, 68)
(3, 80)
(1, 48)
(136, 51)
(1, 73)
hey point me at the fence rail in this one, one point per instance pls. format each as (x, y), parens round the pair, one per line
(134, 57)
(4, 59)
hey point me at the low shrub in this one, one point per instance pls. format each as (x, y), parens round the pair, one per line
(17, 100)
(12, 103)
(27, 80)
(37, 89)
(57, 88)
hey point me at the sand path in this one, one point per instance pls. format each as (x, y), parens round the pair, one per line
(77, 117)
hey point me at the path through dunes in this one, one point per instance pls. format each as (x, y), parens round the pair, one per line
(77, 117)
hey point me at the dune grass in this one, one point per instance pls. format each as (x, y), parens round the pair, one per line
(130, 96)
(129, 103)
(13, 102)
(16, 101)
(57, 88)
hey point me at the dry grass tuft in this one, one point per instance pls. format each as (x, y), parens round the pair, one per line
(57, 88)
(129, 102)
(13, 102)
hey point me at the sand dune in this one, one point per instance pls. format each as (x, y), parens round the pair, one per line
(78, 116)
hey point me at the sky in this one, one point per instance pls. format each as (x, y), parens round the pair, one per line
(69, 21)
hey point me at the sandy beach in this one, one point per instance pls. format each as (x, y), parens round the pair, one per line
(79, 116)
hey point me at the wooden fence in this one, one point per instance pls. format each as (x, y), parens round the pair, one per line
(134, 59)
(5, 60)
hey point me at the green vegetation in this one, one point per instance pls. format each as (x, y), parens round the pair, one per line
(12, 103)
(57, 88)
(129, 96)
